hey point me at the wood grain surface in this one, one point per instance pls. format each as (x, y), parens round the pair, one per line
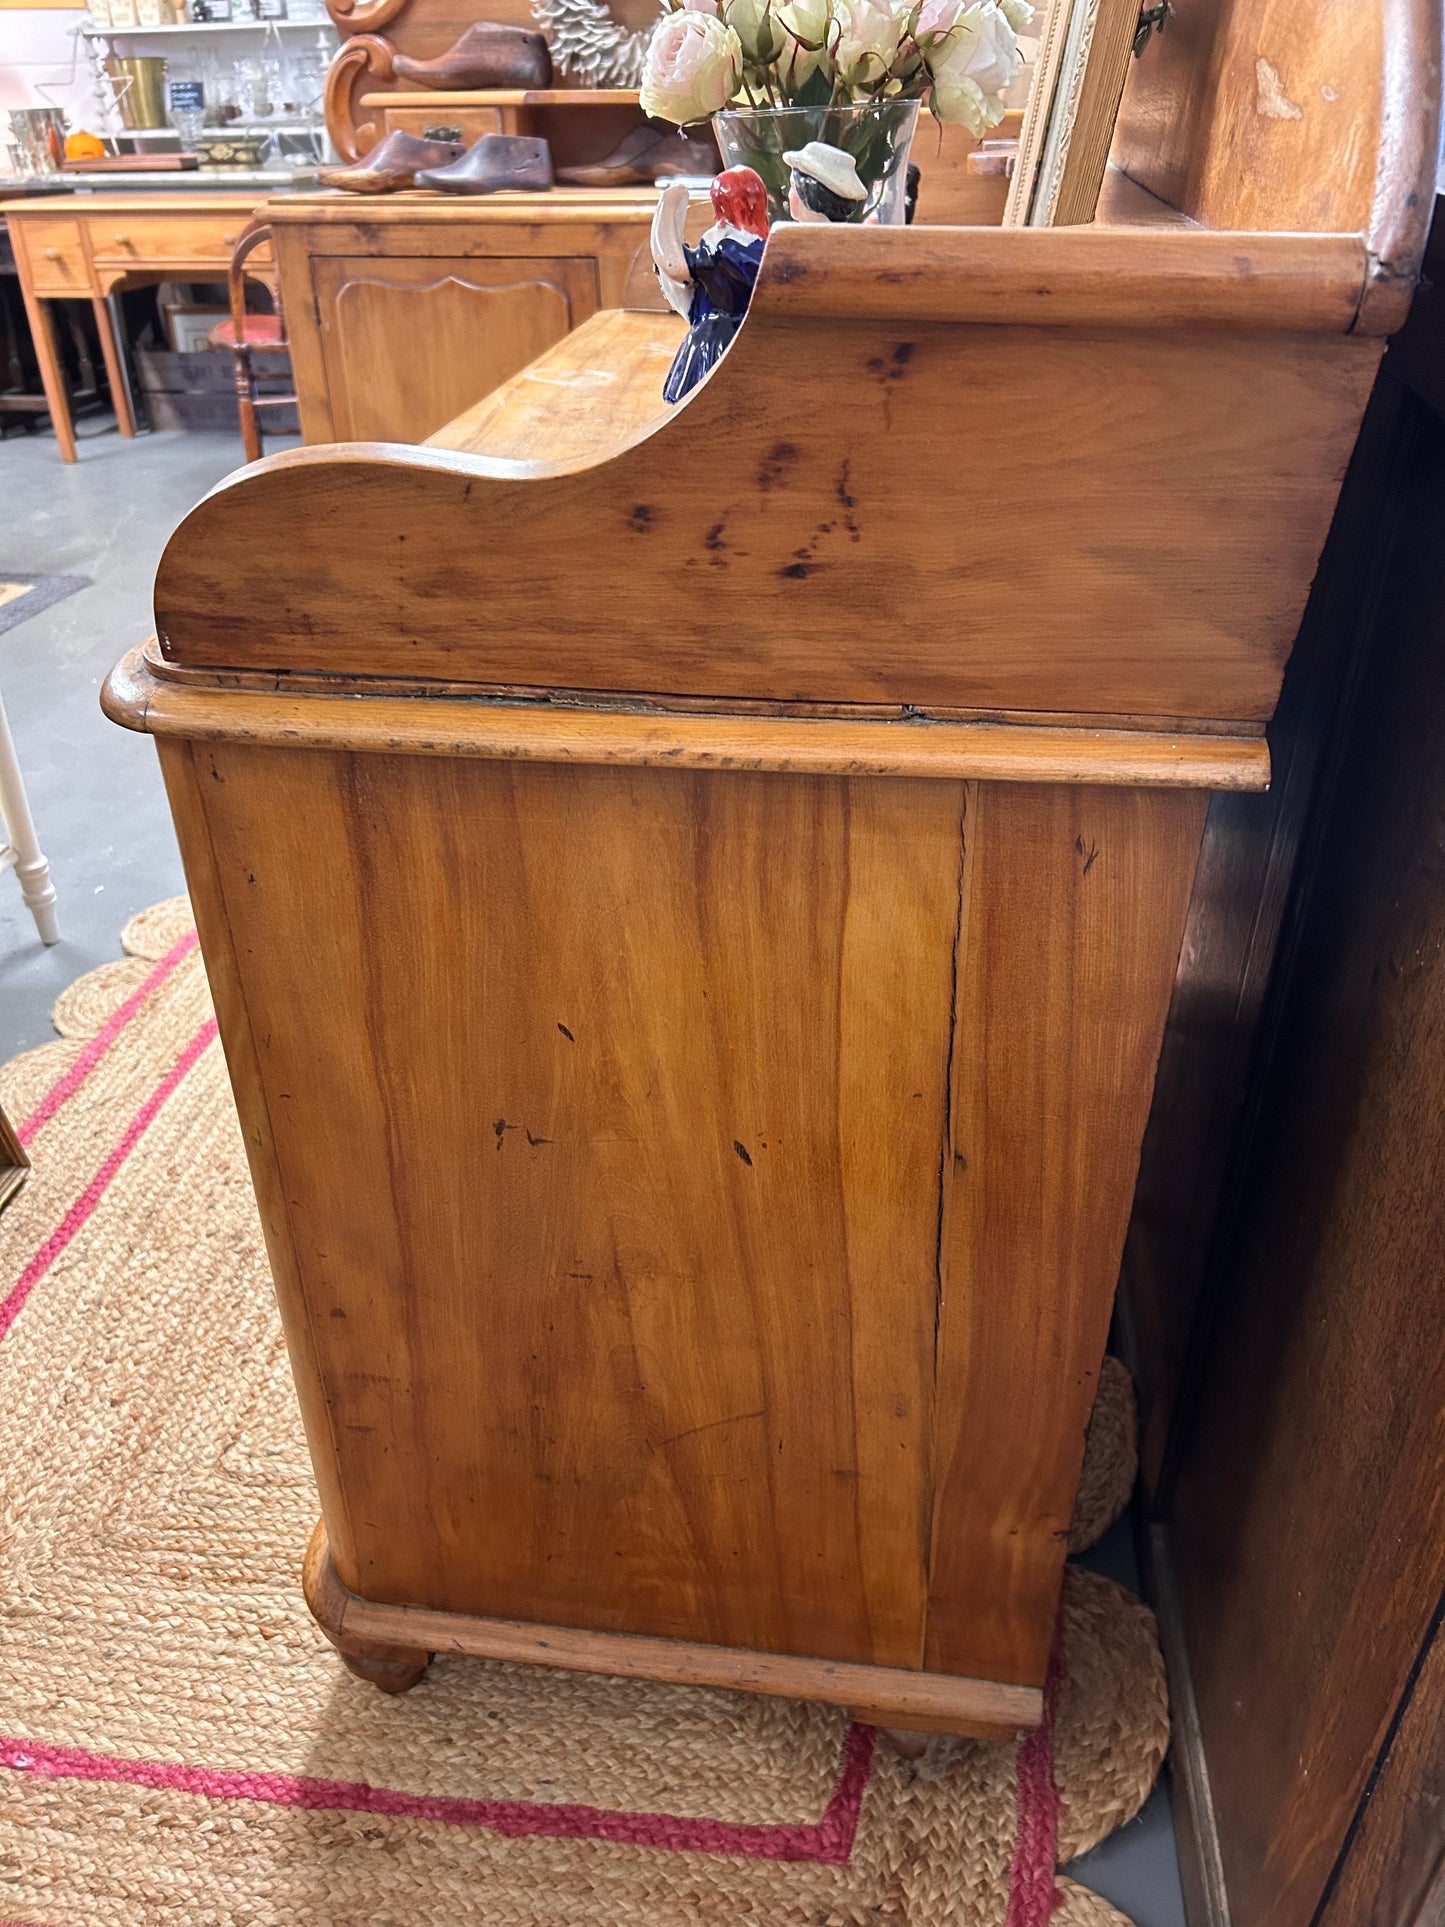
(599, 390)
(183, 779)
(644, 1300)
(681, 739)
(1395, 1865)
(720, 552)
(975, 1709)
(1309, 1518)
(1074, 901)
(405, 309)
(1268, 115)
(481, 320)
(605, 1150)
(1066, 277)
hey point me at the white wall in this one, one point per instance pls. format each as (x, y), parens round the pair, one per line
(43, 64)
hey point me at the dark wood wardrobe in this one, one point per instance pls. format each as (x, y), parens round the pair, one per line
(1284, 1285)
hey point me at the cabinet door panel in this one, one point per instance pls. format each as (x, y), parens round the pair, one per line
(410, 343)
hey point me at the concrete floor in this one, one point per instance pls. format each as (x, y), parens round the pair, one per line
(95, 790)
(101, 813)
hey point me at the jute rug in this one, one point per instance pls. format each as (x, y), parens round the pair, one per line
(179, 1746)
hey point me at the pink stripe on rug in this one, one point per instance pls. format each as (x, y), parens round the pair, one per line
(65, 1088)
(1033, 1893)
(830, 1840)
(91, 1196)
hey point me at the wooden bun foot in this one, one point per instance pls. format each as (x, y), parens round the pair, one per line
(908, 1744)
(388, 1675)
(388, 1667)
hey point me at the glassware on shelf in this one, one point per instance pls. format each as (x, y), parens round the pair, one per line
(224, 95)
(37, 139)
(260, 88)
(308, 80)
(186, 99)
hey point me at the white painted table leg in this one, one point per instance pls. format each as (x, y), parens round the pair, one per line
(30, 866)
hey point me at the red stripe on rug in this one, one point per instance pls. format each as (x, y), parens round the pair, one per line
(91, 1196)
(830, 1840)
(65, 1088)
(1032, 1892)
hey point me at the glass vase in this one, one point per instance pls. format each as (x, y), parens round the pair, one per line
(878, 135)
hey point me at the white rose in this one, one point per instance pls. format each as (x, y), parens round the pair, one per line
(693, 67)
(807, 21)
(1018, 13)
(966, 103)
(753, 23)
(972, 63)
(867, 43)
(807, 31)
(937, 18)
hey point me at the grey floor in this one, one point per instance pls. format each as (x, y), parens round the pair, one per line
(95, 790)
(101, 812)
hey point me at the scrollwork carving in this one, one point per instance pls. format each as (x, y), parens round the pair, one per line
(364, 59)
(364, 16)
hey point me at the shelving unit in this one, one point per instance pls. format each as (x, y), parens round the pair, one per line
(512, 97)
(203, 30)
(199, 38)
(579, 123)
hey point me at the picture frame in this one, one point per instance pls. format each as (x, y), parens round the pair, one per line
(188, 324)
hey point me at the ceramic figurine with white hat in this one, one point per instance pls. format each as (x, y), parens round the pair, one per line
(824, 184)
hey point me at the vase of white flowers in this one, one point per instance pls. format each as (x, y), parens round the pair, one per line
(878, 135)
(849, 73)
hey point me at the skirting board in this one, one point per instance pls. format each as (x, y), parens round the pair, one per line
(1201, 1869)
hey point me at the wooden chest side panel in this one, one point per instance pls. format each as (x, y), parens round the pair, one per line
(1074, 908)
(1168, 494)
(608, 1107)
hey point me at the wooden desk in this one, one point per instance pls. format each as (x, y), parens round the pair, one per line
(85, 246)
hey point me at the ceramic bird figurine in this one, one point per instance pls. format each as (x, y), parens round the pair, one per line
(823, 184)
(710, 285)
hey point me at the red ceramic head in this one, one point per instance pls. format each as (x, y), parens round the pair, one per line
(739, 198)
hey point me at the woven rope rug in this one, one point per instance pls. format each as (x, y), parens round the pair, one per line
(179, 1745)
